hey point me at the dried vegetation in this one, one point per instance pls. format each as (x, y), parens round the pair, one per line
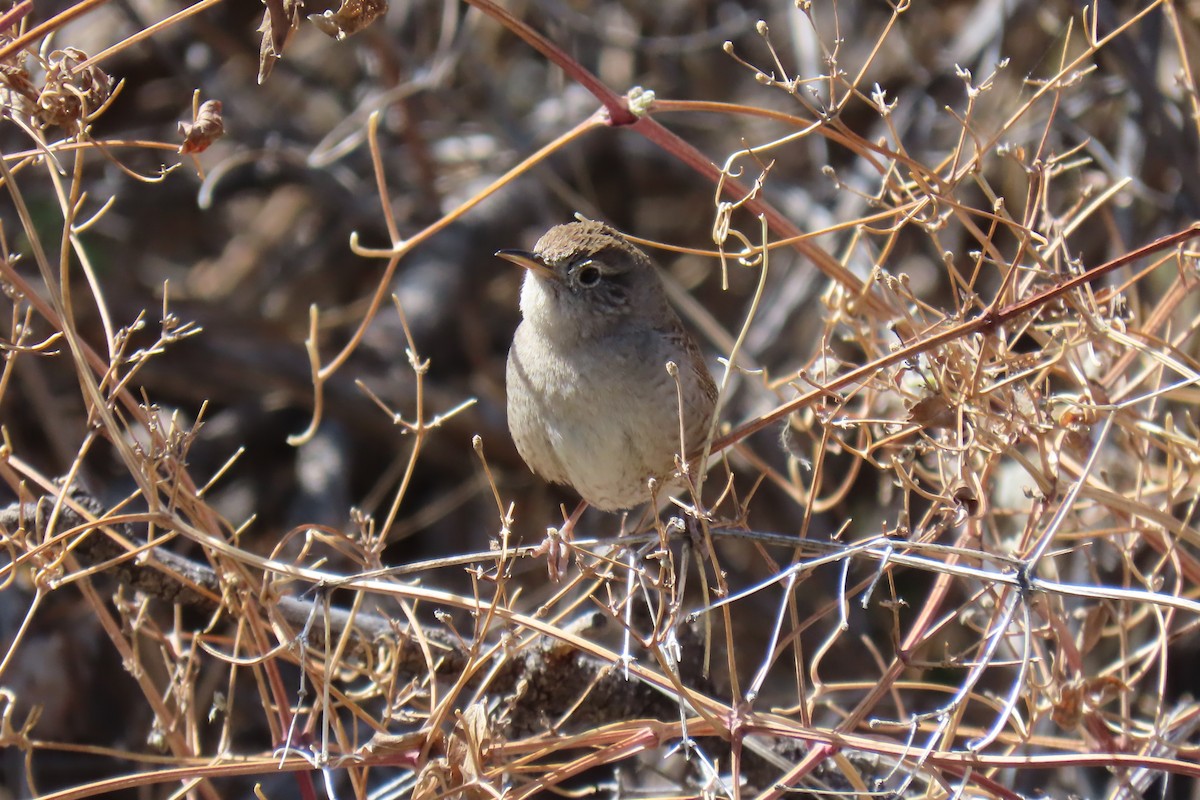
(264, 527)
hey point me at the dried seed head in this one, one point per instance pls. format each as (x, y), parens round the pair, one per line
(71, 96)
(350, 18)
(206, 129)
(17, 92)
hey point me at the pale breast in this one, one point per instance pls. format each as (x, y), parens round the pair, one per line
(607, 422)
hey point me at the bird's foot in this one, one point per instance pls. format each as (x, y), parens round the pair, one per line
(557, 545)
(557, 549)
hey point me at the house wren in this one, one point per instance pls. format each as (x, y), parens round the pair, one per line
(591, 403)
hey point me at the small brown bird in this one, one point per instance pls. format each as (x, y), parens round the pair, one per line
(590, 401)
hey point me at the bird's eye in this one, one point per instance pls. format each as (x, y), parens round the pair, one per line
(588, 274)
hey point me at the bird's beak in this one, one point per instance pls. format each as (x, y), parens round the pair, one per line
(526, 259)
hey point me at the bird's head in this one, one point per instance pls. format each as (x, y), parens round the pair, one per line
(587, 279)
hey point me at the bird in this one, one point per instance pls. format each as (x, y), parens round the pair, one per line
(591, 402)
